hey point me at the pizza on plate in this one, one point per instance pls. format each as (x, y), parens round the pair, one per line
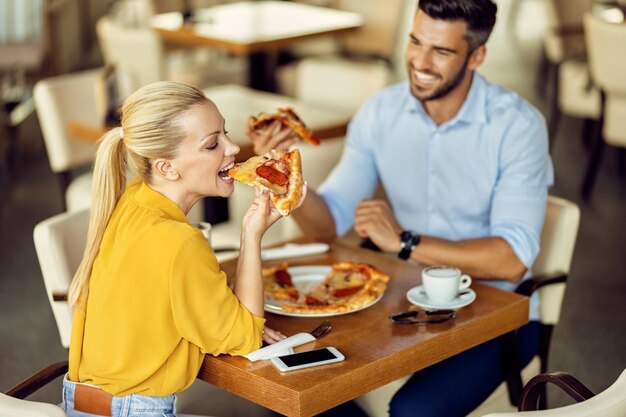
(347, 287)
(278, 171)
(288, 117)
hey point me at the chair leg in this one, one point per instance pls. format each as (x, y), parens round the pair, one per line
(64, 181)
(542, 74)
(544, 347)
(553, 99)
(593, 166)
(589, 126)
(510, 366)
(621, 162)
(596, 153)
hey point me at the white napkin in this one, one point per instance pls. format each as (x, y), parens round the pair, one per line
(280, 348)
(294, 249)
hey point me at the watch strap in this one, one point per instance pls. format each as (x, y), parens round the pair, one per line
(408, 241)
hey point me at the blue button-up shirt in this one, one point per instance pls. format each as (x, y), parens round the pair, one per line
(483, 173)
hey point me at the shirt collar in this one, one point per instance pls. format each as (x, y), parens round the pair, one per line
(472, 110)
(146, 196)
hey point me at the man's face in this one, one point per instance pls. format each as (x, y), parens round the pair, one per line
(437, 56)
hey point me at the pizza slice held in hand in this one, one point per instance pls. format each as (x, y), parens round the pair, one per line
(288, 117)
(278, 171)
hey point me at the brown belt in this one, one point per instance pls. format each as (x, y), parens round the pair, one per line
(92, 400)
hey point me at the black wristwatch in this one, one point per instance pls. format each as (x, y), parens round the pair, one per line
(408, 241)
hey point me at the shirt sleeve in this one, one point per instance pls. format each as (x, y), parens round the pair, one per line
(520, 196)
(206, 312)
(355, 177)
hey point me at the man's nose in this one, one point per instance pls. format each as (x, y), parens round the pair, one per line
(421, 60)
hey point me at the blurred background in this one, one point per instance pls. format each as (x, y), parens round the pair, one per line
(537, 49)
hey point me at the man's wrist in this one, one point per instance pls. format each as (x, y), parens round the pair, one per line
(408, 241)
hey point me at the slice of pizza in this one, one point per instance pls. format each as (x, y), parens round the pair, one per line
(348, 287)
(277, 284)
(278, 171)
(288, 117)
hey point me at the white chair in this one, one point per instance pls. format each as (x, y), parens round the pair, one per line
(607, 72)
(60, 243)
(12, 403)
(365, 55)
(550, 270)
(139, 57)
(59, 101)
(563, 41)
(558, 239)
(609, 403)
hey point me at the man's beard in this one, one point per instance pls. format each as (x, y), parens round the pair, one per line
(445, 89)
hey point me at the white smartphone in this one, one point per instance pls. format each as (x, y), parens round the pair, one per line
(307, 359)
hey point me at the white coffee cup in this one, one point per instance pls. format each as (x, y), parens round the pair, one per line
(443, 283)
(205, 228)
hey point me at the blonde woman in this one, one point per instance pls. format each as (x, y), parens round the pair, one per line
(149, 297)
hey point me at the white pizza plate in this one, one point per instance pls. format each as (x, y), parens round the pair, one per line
(305, 278)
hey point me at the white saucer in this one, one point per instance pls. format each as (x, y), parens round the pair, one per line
(417, 296)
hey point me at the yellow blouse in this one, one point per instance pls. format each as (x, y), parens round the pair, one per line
(158, 302)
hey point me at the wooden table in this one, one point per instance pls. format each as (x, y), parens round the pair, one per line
(254, 29)
(237, 103)
(376, 350)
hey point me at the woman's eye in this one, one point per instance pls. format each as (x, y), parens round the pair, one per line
(213, 146)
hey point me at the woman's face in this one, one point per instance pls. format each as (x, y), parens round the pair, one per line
(205, 153)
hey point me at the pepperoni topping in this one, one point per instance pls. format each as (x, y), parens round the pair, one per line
(272, 175)
(312, 301)
(345, 292)
(283, 278)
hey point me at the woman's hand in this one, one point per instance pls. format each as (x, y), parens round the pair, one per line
(260, 216)
(274, 136)
(272, 336)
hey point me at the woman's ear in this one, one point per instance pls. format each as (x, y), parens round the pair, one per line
(164, 169)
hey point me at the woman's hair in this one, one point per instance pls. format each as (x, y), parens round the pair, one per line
(480, 16)
(150, 129)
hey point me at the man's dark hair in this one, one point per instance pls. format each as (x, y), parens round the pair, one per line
(480, 16)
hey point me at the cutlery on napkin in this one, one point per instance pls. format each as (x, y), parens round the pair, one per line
(280, 348)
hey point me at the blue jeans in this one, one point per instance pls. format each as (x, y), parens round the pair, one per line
(133, 405)
(455, 386)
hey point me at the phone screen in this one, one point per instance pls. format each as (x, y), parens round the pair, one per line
(310, 356)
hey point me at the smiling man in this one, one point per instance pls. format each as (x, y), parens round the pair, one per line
(466, 170)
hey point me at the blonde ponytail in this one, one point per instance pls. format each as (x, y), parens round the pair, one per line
(150, 130)
(109, 181)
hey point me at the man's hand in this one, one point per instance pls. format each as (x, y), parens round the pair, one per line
(374, 219)
(274, 136)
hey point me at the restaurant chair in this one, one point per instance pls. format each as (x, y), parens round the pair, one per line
(60, 244)
(607, 70)
(368, 49)
(60, 100)
(558, 239)
(609, 403)
(13, 403)
(562, 40)
(140, 59)
(550, 271)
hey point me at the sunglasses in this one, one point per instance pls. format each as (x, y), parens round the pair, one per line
(422, 316)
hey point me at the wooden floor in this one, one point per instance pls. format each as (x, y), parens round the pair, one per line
(590, 340)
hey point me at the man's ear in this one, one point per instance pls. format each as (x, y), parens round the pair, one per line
(165, 169)
(477, 57)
